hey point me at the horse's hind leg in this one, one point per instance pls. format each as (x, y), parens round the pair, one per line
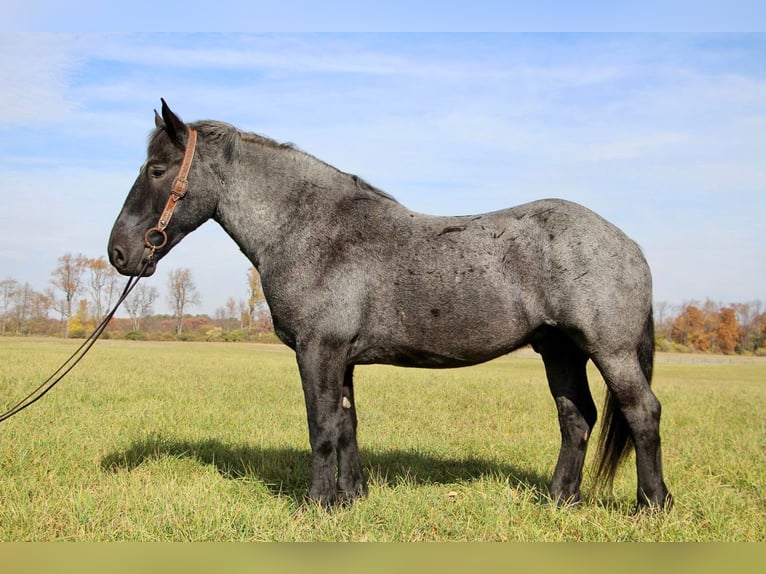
(565, 368)
(641, 411)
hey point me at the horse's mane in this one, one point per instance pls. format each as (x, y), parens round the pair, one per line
(231, 139)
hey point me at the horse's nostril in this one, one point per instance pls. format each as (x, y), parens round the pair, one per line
(118, 257)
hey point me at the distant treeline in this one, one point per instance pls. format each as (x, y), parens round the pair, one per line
(711, 327)
(83, 289)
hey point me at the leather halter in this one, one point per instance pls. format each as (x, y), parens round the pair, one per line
(177, 191)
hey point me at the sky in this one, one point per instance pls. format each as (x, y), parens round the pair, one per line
(662, 133)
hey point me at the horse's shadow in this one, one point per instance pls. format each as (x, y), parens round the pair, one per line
(287, 471)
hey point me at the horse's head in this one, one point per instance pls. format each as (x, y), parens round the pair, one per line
(139, 234)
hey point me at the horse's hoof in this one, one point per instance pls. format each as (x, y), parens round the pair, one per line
(347, 497)
(660, 504)
(326, 500)
(566, 500)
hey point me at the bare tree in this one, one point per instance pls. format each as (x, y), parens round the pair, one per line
(140, 302)
(40, 307)
(67, 277)
(231, 313)
(662, 325)
(747, 315)
(24, 298)
(8, 288)
(181, 293)
(255, 296)
(244, 313)
(219, 315)
(102, 284)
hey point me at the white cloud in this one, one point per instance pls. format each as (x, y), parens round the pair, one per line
(35, 74)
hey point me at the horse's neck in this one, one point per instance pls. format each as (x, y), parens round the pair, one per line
(277, 198)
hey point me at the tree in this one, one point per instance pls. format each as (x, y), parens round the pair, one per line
(689, 328)
(661, 324)
(255, 296)
(140, 302)
(750, 330)
(727, 331)
(67, 277)
(231, 312)
(39, 309)
(102, 284)
(8, 288)
(80, 325)
(244, 313)
(181, 293)
(22, 306)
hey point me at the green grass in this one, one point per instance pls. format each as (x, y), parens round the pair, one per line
(188, 441)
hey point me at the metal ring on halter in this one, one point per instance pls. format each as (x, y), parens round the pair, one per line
(151, 245)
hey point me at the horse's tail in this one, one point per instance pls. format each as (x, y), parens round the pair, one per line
(615, 441)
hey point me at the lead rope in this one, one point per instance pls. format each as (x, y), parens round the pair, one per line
(78, 355)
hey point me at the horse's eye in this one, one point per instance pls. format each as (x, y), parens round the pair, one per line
(157, 171)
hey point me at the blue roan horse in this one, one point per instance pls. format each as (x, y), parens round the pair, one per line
(353, 277)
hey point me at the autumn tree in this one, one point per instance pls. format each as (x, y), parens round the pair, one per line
(80, 323)
(181, 293)
(67, 277)
(727, 331)
(140, 302)
(689, 328)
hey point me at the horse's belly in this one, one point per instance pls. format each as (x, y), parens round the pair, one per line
(429, 360)
(432, 337)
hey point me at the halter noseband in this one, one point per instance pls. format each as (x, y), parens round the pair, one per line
(177, 191)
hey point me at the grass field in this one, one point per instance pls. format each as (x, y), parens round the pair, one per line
(194, 441)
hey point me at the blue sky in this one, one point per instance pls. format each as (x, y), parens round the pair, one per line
(388, 16)
(663, 134)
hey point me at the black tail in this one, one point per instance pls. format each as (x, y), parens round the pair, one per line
(615, 440)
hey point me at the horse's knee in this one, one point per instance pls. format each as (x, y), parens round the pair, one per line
(575, 422)
(642, 414)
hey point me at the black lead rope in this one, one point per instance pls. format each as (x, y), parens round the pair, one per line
(75, 357)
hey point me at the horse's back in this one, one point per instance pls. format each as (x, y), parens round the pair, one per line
(469, 288)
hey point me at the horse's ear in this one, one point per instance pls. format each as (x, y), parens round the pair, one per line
(173, 125)
(159, 123)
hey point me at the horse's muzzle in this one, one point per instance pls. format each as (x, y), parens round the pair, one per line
(129, 265)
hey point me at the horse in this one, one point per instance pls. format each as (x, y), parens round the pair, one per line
(352, 277)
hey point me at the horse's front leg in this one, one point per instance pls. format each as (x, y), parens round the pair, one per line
(332, 424)
(351, 481)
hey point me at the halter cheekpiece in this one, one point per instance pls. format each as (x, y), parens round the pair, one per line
(177, 191)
